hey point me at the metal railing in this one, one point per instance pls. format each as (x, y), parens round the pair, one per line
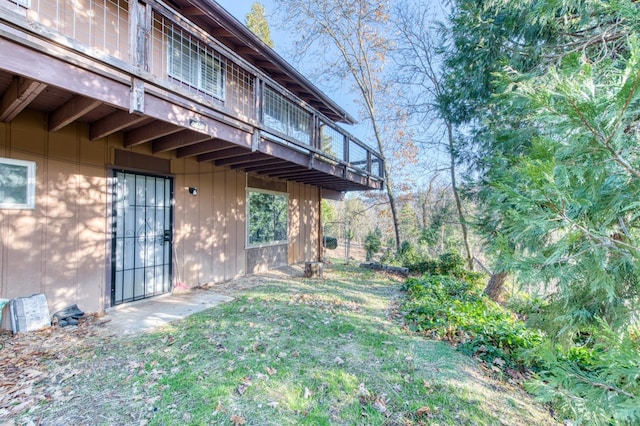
(185, 59)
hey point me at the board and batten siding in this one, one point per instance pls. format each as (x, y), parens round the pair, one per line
(62, 248)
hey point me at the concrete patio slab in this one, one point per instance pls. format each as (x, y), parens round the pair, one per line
(149, 314)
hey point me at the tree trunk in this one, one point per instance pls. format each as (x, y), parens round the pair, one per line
(456, 196)
(495, 287)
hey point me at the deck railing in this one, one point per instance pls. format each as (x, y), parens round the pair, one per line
(171, 50)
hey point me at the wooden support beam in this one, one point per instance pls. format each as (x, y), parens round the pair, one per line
(261, 164)
(225, 153)
(73, 109)
(280, 151)
(19, 95)
(203, 148)
(242, 159)
(178, 140)
(293, 174)
(112, 123)
(149, 132)
(280, 165)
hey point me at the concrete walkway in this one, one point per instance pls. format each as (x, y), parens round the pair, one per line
(149, 314)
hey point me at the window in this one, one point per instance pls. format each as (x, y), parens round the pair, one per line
(268, 218)
(17, 184)
(24, 3)
(284, 116)
(193, 64)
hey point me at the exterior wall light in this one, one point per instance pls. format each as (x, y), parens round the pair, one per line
(193, 190)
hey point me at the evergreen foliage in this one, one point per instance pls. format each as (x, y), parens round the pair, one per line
(372, 243)
(550, 94)
(256, 21)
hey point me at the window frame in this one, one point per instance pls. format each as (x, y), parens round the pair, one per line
(30, 186)
(248, 216)
(200, 58)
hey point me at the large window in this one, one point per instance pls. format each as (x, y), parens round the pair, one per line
(17, 184)
(268, 215)
(195, 65)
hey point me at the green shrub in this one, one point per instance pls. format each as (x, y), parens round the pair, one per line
(372, 243)
(450, 308)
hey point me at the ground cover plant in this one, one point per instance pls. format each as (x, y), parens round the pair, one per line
(592, 379)
(287, 351)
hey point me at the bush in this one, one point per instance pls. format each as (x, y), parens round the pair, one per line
(450, 308)
(372, 244)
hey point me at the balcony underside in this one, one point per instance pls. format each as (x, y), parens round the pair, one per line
(73, 92)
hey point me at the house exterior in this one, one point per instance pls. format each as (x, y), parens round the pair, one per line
(149, 145)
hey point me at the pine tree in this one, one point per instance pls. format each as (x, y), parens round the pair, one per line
(256, 21)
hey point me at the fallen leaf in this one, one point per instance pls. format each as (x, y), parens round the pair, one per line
(338, 360)
(295, 354)
(424, 412)
(237, 420)
(381, 406)
(242, 388)
(273, 404)
(271, 371)
(307, 393)
(498, 361)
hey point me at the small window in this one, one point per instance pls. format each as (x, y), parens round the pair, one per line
(17, 184)
(268, 218)
(191, 63)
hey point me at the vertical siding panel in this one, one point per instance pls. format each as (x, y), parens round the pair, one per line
(92, 237)
(241, 260)
(232, 218)
(219, 203)
(61, 244)
(191, 224)
(316, 223)
(179, 227)
(26, 257)
(310, 221)
(294, 223)
(300, 192)
(308, 241)
(205, 228)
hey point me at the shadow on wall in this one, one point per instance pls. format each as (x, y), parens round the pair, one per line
(59, 248)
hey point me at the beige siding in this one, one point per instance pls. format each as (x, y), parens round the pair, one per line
(59, 247)
(303, 223)
(63, 247)
(209, 227)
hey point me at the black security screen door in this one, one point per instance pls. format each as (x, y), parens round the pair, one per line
(142, 236)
